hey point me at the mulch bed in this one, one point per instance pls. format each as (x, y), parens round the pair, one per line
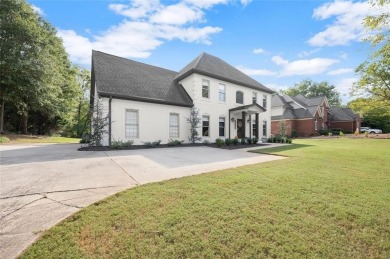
(136, 147)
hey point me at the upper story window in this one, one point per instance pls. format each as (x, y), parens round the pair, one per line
(222, 93)
(174, 125)
(206, 88)
(265, 101)
(254, 97)
(131, 124)
(239, 97)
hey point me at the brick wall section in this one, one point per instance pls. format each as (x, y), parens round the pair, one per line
(346, 126)
(305, 128)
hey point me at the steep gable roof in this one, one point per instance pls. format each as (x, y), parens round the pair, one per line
(127, 79)
(208, 65)
(338, 114)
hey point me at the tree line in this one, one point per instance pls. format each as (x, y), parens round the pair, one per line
(41, 92)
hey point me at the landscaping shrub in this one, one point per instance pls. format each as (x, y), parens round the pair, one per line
(341, 133)
(219, 142)
(249, 140)
(294, 133)
(175, 142)
(149, 144)
(255, 140)
(235, 141)
(206, 142)
(324, 132)
(243, 141)
(228, 142)
(118, 144)
(4, 139)
(270, 139)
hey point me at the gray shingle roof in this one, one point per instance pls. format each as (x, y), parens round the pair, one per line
(351, 113)
(123, 78)
(338, 114)
(208, 65)
(278, 100)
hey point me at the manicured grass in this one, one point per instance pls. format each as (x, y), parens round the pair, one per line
(331, 199)
(20, 139)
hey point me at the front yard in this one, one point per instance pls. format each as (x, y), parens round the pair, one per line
(331, 199)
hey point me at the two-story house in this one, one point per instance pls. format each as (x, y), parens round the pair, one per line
(148, 103)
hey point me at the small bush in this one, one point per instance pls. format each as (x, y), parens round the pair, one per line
(243, 141)
(294, 133)
(324, 132)
(4, 139)
(235, 141)
(118, 144)
(255, 140)
(228, 142)
(149, 144)
(175, 142)
(330, 133)
(206, 142)
(270, 139)
(249, 140)
(289, 141)
(219, 142)
(341, 133)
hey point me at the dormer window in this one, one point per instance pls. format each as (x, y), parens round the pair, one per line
(240, 97)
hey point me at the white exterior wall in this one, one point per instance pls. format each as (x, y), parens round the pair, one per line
(215, 109)
(153, 121)
(277, 111)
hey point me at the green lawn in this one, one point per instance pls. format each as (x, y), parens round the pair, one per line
(331, 199)
(20, 139)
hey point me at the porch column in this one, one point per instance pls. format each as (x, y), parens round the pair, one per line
(243, 123)
(250, 125)
(257, 125)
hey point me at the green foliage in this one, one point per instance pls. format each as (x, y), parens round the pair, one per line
(309, 88)
(4, 139)
(99, 127)
(375, 71)
(151, 144)
(243, 141)
(282, 128)
(249, 140)
(255, 140)
(228, 142)
(36, 78)
(219, 142)
(175, 142)
(294, 133)
(118, 144)
(194, 121)
(235, 141)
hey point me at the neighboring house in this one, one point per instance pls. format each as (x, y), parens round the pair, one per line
(148, 103)
(344, 119)
(305, 116)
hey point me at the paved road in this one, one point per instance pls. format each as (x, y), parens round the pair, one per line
(41, 184)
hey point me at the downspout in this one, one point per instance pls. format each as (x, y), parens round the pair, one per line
(109, 121)
(229, 125)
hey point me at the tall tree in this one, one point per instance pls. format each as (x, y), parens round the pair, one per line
(35, 72)
(375, 71)
(309, 88)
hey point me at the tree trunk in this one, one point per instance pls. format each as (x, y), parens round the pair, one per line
(2, 116)
(24, 122)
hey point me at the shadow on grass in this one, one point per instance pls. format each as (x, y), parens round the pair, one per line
(273, 150)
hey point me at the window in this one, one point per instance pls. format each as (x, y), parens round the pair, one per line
(239, 97)
(205, 126)
(264, 128)
(315, 124)
(205, 88)
(222, 92)
(254, 98)
(131, 128)
(254, 130)
(265, 101)
(174, 125)
(221, 126)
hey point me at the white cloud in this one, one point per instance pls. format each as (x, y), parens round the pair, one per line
(37, 9)
(245, 2)
(344, 87)
(308, 52)
(276, 87)
(147, 25)
(258, 51)
(347, 26)
(304, 66)
(177, 14)
(340, 71)
(255, 72)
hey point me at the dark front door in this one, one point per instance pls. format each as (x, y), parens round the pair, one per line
(240, 128)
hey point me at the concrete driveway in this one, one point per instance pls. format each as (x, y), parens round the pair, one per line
(41, 184)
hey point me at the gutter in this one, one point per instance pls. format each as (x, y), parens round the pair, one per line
(109, 121)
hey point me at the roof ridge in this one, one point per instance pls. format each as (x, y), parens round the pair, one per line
(132, 60)
(199, 58)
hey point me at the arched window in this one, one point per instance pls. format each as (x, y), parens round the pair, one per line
(239, 97)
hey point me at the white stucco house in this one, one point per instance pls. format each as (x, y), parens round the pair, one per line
(149, 103)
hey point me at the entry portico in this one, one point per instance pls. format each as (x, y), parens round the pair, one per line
(242, 115)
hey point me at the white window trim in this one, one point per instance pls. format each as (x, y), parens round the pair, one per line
(206, 98)
(224, 126)
(239, 91)
(254, 95)
(266, 101)
(224, 91)
(206, 115)
(138, 133)
(178, 125)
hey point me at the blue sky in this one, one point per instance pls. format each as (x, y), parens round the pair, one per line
(277, 42)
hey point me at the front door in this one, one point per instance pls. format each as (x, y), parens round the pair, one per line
(240, 129)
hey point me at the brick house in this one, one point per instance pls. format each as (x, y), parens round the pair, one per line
(308, 115)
